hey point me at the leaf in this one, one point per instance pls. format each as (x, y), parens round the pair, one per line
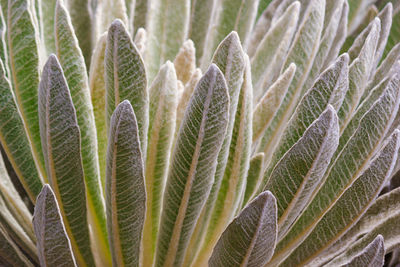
(81, 19)
(48, 9)
(233, 183)
(359, 72)
(24, 64)
(192, 166)
(269, 104)
(14, 140)
(112, 10)
(10, 253)
(329, 88)
(302, 53)
(346, 167)
(54, 247)
(227, 16)
(73, 65)
(386, 22)
(357, 10)
(141, 12)
(3, 44)
(61, 147)
(249, 240)
(266, 64)
(254, 175)
(371, 255)
(164, 100)
(125, 78)
(350, 206)
(185, 61)
(167, 28)
(125, 188)
(301, 169)
(98, 97)
(140, 41)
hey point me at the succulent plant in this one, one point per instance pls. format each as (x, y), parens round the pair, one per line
(199, 133)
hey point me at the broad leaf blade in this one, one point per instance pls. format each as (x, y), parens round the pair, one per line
(24, 63)
(73, 65)
(301, 169)
(193, 165)
(249, 240)
(350, 205)
(163, 103)
(54, 247)
(125, 189)
(62, 151)
(125, 78)
(14, 140)
(167, 28)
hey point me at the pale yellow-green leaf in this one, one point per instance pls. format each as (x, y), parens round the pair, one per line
(140, 41)
(125, 188)
(48, 8)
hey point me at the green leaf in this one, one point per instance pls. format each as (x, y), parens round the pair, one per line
(164, 100)
(254, 175)
(346, 167)
(185, 61)
(14, 140)
(3, 44)
(73, 65)
(350, 206)
(141, 12)
(386, 23)
(98, 94)
(54, 247)
(24, 63)
(266, 64)
(371, 255)
(10, 252)
(62, 152)
(227, 16)
(48, 13)
(329, 88)
(249, 240)
(301, 169)
(167, 28)
(110, 11)
(125, 188)
(193, 165)
(125, 78)
(140, 41)
(269, 104)
(302, 53)
(233, 183)
(357, 11)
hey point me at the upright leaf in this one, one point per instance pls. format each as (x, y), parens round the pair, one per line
(24, 64)
(125, 189)
(254, 175)
(48, 8)
(163, 103)
(60, 135)
(301, 169)
(14, 140)
(73, 65)
(111, 10)
(350, 205)
(125, 78)
(141, 12)
(54, 247)
(10, 253)
(249, 240)
(167, 28)
(185, 61)
(193, 166)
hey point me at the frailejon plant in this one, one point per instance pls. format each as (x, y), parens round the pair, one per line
(199, 133)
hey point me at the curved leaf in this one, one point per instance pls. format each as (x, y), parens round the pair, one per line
(61, 147)
(54, 247)
(249, 240)
(125, 189)
(125, 78)
(193, 166)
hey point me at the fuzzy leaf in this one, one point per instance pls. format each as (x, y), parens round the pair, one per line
(62, 152)
(192, 165)
(48, 9)
(125, 78)
(269, 57)
(163, 103)
(10, 252)
(185, 61)
(249, 240)
(73, 65)
(350, 205)
(167, 28)
(253, 177)
(24, 63)
(125, 189)
(54, 247)
(301, 169)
